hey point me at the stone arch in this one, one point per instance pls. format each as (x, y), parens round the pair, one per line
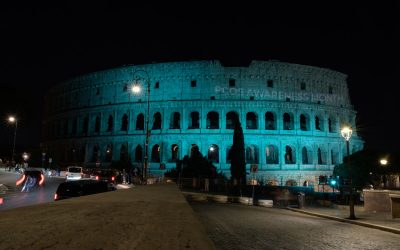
(290, 155)
(212, 120)
(291, 183)
(252, 154)
(251, 120)
(306, 155)
(155, 153)
(140, 122)
(157, 121)
(175, 121)
(270, 121)
(138, 153)
(213, 153)
(194, 120)
(231, 118)
(97, 124)
(174, 152)
(123, 153)
(272, 154)
(288, 123)
(321, 156)
(319, 123)
(110, 123)
(304, 122)
(108, 153)
(124, 123)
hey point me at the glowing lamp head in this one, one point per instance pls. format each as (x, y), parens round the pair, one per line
(212, 149)
(136, 89)
(383, 162)
(11, 119)
(346, 133)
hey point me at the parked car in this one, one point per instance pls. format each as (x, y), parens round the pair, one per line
(107, 175)
(74, 173)
(31, 179)
(78, 188)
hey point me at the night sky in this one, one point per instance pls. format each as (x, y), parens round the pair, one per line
(40, 47)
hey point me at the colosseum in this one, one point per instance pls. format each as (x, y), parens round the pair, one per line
(291, 116)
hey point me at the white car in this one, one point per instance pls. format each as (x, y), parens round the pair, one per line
(74, 173)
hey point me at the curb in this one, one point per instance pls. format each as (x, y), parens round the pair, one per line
(364, 224)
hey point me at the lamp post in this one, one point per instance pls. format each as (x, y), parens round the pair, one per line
(12, 119)
(383, 163)
(346, 134)
(138, 76)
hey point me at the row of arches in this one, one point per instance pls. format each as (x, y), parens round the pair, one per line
(304, 122)
(307, 155)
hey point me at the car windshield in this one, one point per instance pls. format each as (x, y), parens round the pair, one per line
(107, 173)
(74, 170)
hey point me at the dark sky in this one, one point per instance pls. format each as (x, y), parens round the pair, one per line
(40, 47)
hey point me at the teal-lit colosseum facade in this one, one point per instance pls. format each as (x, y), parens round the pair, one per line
(291, 116)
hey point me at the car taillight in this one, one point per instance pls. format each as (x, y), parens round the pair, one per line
(97, 177)
(1, 201)
(112, 178)
(41, 179)
(55, 196)
(20, 180)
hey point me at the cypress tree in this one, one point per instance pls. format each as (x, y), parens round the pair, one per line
(237, 155)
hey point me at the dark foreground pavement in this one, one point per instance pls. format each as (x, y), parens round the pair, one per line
(145, 217)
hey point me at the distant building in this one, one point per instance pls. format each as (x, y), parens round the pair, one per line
(291, 117)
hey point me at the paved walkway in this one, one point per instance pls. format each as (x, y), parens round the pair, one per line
(381, 221)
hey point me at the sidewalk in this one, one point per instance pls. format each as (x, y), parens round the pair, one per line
(381, 221)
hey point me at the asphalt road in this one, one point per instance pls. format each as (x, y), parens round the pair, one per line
(15, 198)
(235, 226)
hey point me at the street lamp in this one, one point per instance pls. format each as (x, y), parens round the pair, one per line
(139, 76)
(383, 163)
(346, 134)
(12, 119)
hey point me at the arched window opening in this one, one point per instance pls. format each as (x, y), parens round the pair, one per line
(287, 122)
(272, 156)
(251, 120)
(304, 156)
(123, 154)
(334, 157)
(140, 122)
(319, 157)
(194, 150)
(124, 124)
(155, 153)
(317, 123)
(194, 120)
(85, 125)
(291, 183)
(228, 154)
(96, 154)
(139, 154)
(97, 125)
(213, 153)
(174, 152)
(157, 121)
(303, 123)
(270, 121)
(110, 123)
(175, 122)
(109, 154)
(212, 120)
(231, 118)
(289, 159)
(251, 154)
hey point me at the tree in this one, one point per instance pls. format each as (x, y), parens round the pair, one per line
(237, 155)
(365, 168)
